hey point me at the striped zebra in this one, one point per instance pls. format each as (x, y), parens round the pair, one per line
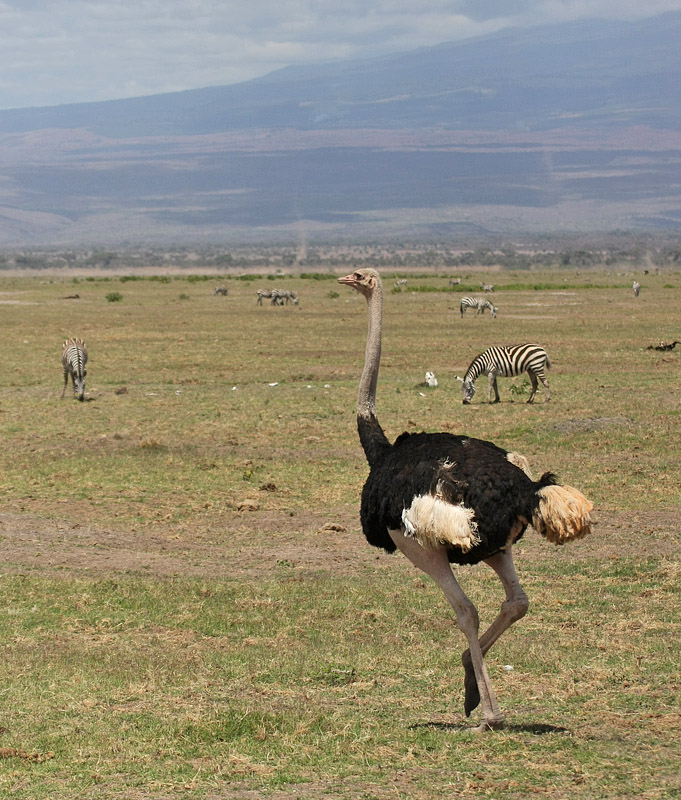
(487, 287)
(478, 303)
(220, 290)
(507, 362)
(263, 293)
(74, 359)
(281, 296)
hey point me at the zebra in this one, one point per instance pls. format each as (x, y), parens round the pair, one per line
(487, 287)
(281, 296)
(263, 293)
(454, 281)
(401, 282)
(479, 303)
(222, 290)
(637, 288)
(74, 359)
(507, 362)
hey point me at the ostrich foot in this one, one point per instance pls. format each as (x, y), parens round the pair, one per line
(472, 693)
(494, 724)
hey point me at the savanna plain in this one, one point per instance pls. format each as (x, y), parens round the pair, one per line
(189, 607)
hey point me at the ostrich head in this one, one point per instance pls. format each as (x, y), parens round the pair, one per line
(363, 280)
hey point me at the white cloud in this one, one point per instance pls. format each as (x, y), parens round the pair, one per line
(58, 51)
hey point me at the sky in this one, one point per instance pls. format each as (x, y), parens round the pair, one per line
(54, 52)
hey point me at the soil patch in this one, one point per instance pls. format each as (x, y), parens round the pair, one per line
(260, 543)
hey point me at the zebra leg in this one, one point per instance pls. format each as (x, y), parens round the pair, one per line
(533, 381)
(493, 385)
(545, 384)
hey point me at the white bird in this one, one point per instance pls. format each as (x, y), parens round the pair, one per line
(431, 380)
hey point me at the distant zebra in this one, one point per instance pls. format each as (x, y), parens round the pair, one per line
(478, 303)
(454, 281)
(281, 296)
(401, 282)
(487, 287)
(222, 290)
(507, 362)
(637, 288)
(74, 359)
(263, 293)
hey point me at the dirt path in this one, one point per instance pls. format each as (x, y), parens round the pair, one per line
(259, 543)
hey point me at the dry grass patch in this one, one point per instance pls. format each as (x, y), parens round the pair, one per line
(160, 642)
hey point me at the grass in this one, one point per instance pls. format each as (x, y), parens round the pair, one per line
(157, 642)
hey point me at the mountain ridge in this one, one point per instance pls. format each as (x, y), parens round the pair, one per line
(555, 127)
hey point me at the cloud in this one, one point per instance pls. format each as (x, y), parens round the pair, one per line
(61, 51)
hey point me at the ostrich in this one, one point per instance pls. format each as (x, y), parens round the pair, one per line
(442, 498)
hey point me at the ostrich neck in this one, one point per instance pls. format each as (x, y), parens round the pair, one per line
(371, 434)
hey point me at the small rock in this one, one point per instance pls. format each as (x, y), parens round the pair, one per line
(332, 527)
(248, 505)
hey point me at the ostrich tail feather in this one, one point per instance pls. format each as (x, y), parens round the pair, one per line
(434, 523)
(562, 514)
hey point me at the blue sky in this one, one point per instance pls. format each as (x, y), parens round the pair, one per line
(71, 51)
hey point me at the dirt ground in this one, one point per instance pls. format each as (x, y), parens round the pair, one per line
(255, 544)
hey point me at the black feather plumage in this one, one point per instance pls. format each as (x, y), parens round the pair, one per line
(469, 471)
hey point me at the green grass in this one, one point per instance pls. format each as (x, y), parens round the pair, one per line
(271, 657)
(134, 683)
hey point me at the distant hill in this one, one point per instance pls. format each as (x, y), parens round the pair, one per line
(573, 126)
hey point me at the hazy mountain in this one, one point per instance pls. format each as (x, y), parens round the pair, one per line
(574, 126)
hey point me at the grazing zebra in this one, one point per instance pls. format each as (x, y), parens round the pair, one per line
(74, 359)
(507, 362)
(281, 296)
(263, 293)
(479, 303)
(487, 287)
(454, 281)
(401, 282)
(222, 290)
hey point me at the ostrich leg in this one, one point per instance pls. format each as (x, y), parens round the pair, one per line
(435, 564)
(512, 609)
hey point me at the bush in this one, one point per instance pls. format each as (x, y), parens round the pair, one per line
(114, 297)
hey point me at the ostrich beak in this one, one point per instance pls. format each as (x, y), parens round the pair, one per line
(348, 280)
